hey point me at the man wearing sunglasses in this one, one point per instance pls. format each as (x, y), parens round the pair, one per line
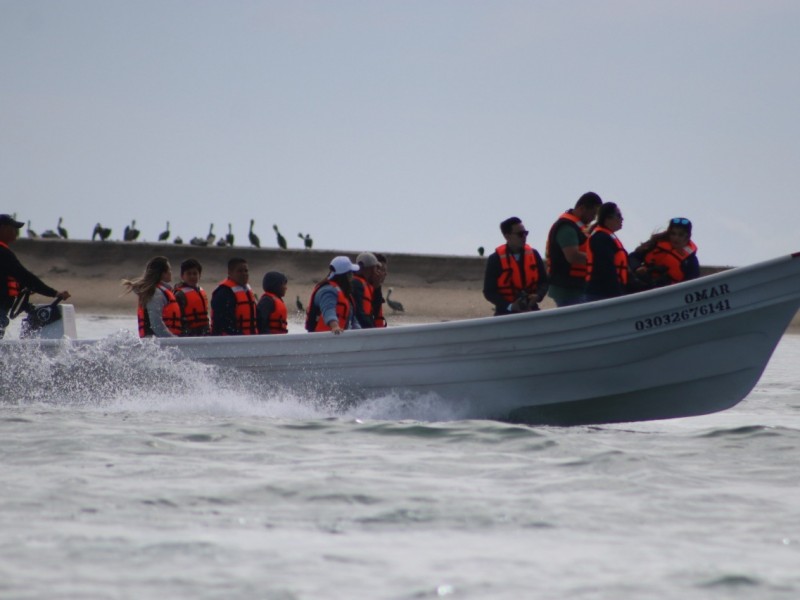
(515, 280)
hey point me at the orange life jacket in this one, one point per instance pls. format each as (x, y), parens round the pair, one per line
(277, 321)
(560, 270)
(13, 284)
(513, 280)
(620, 257)
(171, 314)
(366, 300)
(664, 255)
(195, 312)
(314, 320)
(245, 314)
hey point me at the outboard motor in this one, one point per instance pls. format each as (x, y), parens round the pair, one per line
(46, 321)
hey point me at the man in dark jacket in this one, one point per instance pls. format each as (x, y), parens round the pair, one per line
(13, 276)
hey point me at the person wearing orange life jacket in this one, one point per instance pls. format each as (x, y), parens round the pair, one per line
(515, 279)
(364, 284)
(271, 312)
(158, 313)
(330, 307)
(667, 257)
(193, 300)
(233, 303)
(565, 253)
(607, 264)
(13, 276)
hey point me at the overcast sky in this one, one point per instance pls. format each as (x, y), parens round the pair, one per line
(403, 126)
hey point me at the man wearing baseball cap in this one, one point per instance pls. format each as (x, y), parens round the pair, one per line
(331, 305)
(13, 276)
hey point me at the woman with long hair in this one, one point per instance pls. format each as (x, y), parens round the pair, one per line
(158, 314)
(667, 257)
(607, 260)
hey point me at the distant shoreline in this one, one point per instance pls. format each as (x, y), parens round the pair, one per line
(431, 287)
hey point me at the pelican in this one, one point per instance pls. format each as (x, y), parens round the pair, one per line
(299, 305)
(49, 234)
(393, 304)
(222, 242)
(198, 241)
(229, 235)
(164, 235)
(62, 233)
(210, 237)
(307, 241)
(254, 241)
(481, 250)
(102, 232)
(281, 239)
(178, 240)
(31, 233)
(131, 233)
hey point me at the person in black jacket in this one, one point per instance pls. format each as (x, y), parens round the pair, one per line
(515, 279)
(607, 260)
(13, 276)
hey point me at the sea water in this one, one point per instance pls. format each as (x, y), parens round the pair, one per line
(127, 472)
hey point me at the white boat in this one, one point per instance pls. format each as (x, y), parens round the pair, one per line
(689, 349)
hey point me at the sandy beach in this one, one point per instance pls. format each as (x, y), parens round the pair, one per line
(430, 287)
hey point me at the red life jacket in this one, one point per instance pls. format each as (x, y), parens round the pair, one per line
(314, 320)
(13, 284)
(277, 321)
(513, 280)
(245, 314)
(560, 270)
(171, 314)
(195, 312)
(620, 257)
(664, 255)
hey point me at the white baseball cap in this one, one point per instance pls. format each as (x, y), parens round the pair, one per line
(341, 265)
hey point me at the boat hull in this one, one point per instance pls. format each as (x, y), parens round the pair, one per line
(690, 349)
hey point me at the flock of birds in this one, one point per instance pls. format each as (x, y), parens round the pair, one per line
(131, 234)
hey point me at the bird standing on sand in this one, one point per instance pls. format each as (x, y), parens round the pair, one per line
(102, 232)
(229, 235)
(62, 233)
(481, 251)
(164, 235)
(131, 233)
(32, 235)
(393, 304)
(280, 238)
(299, 305)
(49, 234)
(210, 237)
(254, 241)
(307, 241)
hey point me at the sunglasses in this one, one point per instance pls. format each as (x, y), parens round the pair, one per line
(680, 221)
(522, 233)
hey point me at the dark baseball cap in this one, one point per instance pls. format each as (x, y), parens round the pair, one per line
(8, 220)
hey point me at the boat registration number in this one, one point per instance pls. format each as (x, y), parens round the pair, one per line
(686, 314)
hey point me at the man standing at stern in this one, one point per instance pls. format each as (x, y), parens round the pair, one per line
(516, 280)
(13, 276)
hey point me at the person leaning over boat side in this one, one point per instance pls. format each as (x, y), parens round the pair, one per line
(13, 276)
(193, 300)
(565, 253)
(607, 260)
(363, 285)
(330, 307)
(667, 257)
(377, 294)
(233, 303)
(158, 314)
(271, 312)
(515, 279)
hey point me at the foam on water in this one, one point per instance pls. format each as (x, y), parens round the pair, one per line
(124, 373)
